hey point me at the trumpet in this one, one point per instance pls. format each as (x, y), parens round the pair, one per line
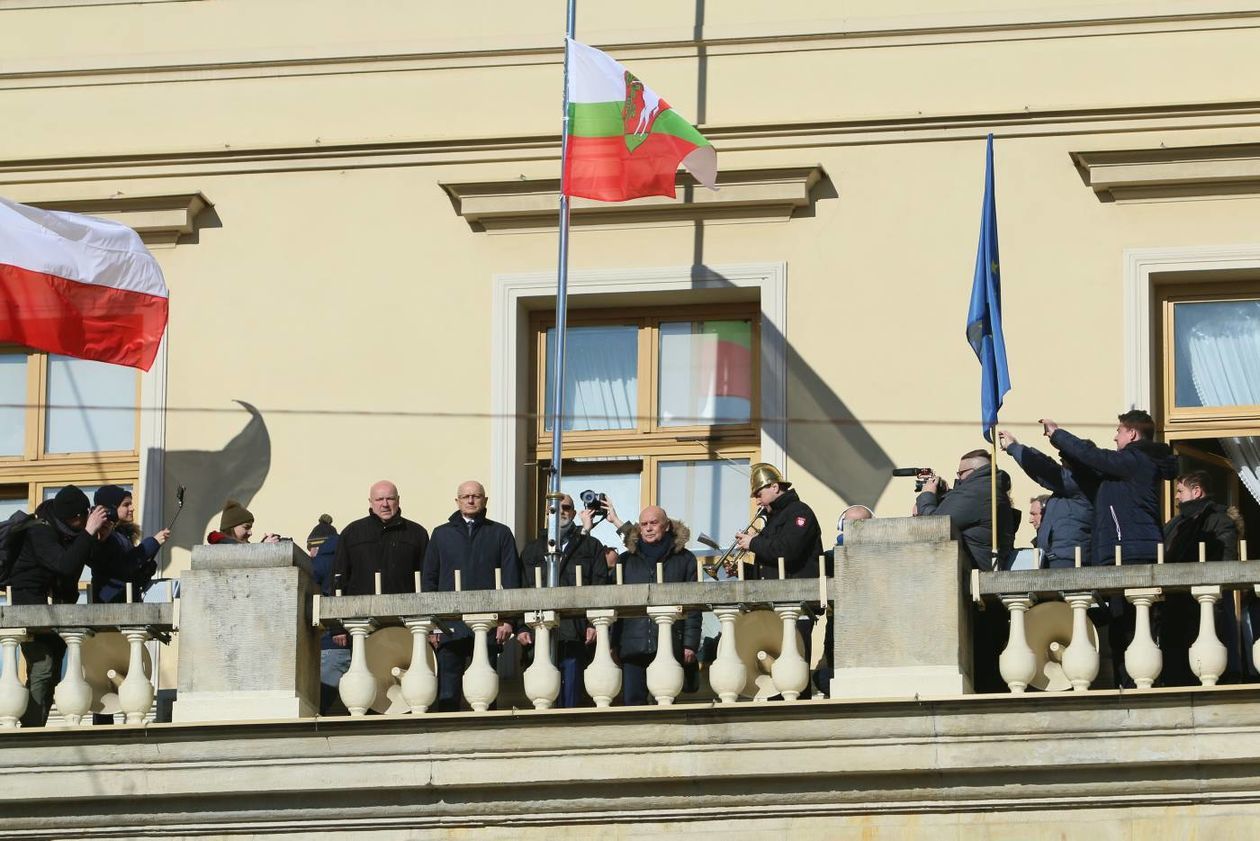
(734, 555)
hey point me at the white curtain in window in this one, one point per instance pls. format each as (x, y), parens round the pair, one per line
(600, 377)
(1225, 366)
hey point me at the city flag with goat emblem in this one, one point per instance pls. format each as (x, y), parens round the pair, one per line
(625, 141)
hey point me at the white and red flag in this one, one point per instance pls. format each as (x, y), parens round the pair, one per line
(79, 286)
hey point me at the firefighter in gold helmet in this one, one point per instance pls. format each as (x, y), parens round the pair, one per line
(791, 532)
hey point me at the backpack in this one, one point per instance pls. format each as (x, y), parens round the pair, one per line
(10, 543)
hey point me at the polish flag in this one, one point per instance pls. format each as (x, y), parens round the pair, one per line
(79, 286)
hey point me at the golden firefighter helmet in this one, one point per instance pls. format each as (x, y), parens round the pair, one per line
(766, 474)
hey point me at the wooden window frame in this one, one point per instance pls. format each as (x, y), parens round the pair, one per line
(39, 470)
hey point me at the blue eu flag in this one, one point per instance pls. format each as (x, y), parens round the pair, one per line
(984, 317)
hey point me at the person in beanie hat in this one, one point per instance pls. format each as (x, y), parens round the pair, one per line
(323, 530)
(236, 525)
(51, 550)
(128, 559)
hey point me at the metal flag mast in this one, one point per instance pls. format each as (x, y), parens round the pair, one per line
(562, 289)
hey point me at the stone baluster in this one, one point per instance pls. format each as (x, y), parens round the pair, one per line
(1142, 659)
(727, 674)
(358, 685)
(1255, 647)
(419, 684)
(1208, 656)
(790, 672)
(542, 678)
(602, 676)
(73, 695)
(665, 673)
(135, 693)
(13, 695)
(1080, 658)
(481, 681)
(1017, 663)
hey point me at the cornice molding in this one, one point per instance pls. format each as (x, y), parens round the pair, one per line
(1170, 173)
(651, 44)
(768, 194)
(159, 219)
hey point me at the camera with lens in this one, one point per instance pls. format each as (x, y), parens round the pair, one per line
(111, 513)
(593, 500)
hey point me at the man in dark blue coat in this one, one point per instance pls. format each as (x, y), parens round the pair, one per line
(1124, 486)
(475, 546)
(1066, 516)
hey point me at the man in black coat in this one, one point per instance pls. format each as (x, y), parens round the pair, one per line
(578, 551)
(384, 541)
(791, 531)
(475, 546)
(1124, 486)
(655, 539)
(969, 506)
(51, 550)
(1199, 521)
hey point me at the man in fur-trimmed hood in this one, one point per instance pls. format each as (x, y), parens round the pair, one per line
(654, 540)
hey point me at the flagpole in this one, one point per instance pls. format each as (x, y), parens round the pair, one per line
(993, 498)
(562, 290)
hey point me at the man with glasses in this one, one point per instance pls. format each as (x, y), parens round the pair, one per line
(476, 546)
(969, 507)
(579, 552)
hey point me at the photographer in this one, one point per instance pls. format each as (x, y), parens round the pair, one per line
(51, 550)
(126, 559)
(1067, 514)
(236, 525)
(969, 508)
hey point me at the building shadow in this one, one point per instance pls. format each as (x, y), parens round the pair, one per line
(211, 477)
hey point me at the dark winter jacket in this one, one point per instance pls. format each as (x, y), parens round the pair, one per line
(50, 559)
(580, 551)
(322, 570)
(792, 533)
(637, 635)
(123, 563)
(969, 508)
(1068, 516)
(1201, 521)
(395, 549)
(491, 546)
(1125, 488)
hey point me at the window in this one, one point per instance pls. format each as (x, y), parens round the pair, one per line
(64, 421)
(1209, 406)
(660, 406)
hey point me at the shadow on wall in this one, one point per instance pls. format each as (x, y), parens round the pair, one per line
(826, 439)
(213, 476)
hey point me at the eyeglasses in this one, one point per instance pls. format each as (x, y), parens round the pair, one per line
(961, 473)
(564, 507)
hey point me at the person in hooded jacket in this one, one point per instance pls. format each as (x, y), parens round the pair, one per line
(475, 546)
(1199, 521)
(51, 549)
(130, 559)
(655, 539)
(1066, 516)
(1124, 486)
(578, 551)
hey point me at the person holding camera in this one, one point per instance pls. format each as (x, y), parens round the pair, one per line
(1066, 516)
(476, 546)
(51, 548)
(578, 551)
(236, 525)
(127, 558)
(969, 508)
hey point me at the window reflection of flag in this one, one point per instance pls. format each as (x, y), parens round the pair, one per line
(727, 369)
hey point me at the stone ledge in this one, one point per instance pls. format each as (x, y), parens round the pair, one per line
(1183, 172)
(135, 615)
(1051, 582)
(158, 219)
(743, 194)
(570, 770)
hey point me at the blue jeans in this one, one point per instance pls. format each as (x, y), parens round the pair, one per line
(333, 663)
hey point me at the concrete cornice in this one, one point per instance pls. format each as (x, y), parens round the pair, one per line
(1179, 172)
(792, 36)
(568, 770)
(160, 219)
(746, 194)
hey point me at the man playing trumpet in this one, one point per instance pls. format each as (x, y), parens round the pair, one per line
(791, 531)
